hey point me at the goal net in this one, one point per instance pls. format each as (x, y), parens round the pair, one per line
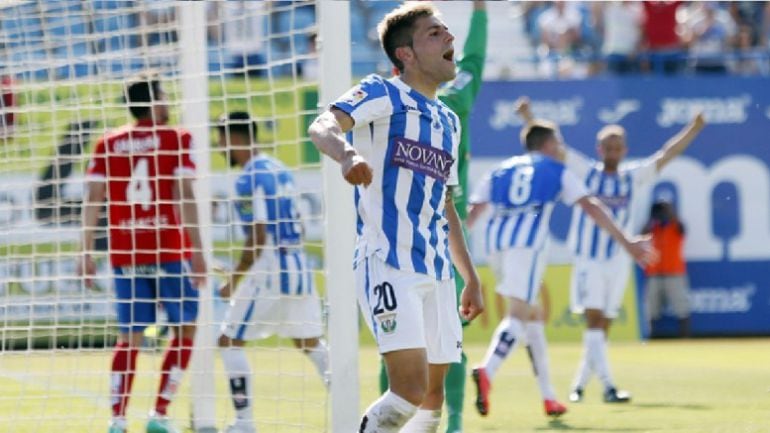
(63, 68)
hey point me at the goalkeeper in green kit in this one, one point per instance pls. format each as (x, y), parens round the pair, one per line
(459, 95)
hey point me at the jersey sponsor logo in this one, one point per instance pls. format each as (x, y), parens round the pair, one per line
(147, 223)
(136, 145)
(145, 270)
(422, 158)
(614, 202)
(679, 111)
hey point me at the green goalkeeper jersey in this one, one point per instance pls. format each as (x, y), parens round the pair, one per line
(460, 94)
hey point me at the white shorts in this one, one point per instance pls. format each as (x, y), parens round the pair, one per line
(599, 285)
(259, 310)
(407, 310)
(519, 272)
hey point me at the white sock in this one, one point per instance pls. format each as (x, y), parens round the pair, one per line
(538, 354)
(387, 415)
(319, 356)
(424, 421)
(583, 374)
(119, 422)
(239, 375)
(597, 346)
(504, 341)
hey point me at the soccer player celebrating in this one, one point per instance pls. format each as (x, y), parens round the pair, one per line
(459, 96)
(277, 294)
(601, 268)
(144, 171)
(409, 231)
(522, 192)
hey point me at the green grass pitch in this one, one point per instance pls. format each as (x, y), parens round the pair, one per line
(679, 387)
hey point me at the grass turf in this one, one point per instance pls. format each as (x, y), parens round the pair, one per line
(678, 386)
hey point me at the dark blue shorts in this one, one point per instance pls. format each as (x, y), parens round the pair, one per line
(139, 289)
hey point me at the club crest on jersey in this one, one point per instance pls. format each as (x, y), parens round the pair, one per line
(388, 322)
(421, 158)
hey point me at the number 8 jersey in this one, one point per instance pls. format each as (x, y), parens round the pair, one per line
(141, 164)
(522, 192)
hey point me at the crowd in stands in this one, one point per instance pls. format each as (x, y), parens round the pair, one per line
(657, 37)
(569, 39)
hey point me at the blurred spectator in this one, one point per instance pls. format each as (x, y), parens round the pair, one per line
(764, 39)
(559, 27)
(661, 40)
(667, 278)
(308, 67)
(620, 24)
(532, 12)
(7, 107)
(160, 18)
(709, 33)
(747, 59)
(244, 39)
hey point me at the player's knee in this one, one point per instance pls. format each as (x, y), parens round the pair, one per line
(225, 341)
(594, 318)
(305, 344)
(414, 392)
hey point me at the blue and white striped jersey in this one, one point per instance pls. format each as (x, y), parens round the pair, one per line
(522, 192)
(617, 191)
(267, 194)
(411, 143)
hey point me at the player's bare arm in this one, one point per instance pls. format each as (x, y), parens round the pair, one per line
(679, 142)
(638, 247)
(471, 301)
(475, 211)
(96, 194)
(524, 110)
(327, 134)
(250, 252)
(189, 212)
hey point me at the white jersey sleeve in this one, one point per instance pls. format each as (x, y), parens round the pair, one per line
(578, 163)
(644, 172)
(482, 191)
(366, 102)
(572, 188)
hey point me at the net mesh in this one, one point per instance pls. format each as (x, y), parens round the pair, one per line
(63, 66)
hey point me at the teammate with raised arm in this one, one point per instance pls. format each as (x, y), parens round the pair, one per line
(459, 95)
(274, 290)
(522, 192)
(144, 171)
(401, 154)
(601, 269)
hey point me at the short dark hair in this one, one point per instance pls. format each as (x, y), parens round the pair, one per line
(535, 134)
(397, 28)
(238, 122)
(142, 91)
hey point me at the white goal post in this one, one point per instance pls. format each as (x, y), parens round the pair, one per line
(340, 223)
